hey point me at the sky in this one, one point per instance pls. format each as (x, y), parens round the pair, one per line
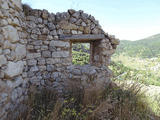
(126, 19)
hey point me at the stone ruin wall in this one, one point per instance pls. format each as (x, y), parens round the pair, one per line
(35, 50)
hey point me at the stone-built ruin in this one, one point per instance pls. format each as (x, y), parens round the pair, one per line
(35, 50)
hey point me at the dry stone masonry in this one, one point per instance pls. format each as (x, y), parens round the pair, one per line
(35, 50)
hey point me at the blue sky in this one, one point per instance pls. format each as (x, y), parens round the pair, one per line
(126, 19)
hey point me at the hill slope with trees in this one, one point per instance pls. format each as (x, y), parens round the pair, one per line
(144, 48)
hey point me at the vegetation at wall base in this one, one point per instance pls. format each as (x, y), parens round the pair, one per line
(92, 103)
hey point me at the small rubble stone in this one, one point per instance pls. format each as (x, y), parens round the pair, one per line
(73, 20)
(45, 31)
(87, 30)
(45, 14)
(59, 32)
(41, 61)
(34, 69)
(46, 54)
(42, 68)
(95, 31)
(51, 26)
(115, 41)
(83, 24)
(32, 62)
(54, 32)
(67, 26)
(17, 4)
(44, 47)
(74, 32)
(50, 68)
(71, 11)
(3, 22)
(76, 15)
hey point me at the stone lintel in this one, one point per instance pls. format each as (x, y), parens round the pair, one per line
(82, 38)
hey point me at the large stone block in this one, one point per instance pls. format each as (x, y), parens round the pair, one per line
(20, 51)
(67, 26)
(86, 37)
(11, 33)
(87, 30)
(14, 69)
(59, 43)
(52, 61)
(33, 55)
(3, 60)
(60, 54)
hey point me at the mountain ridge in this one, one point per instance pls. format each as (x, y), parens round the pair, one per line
(146, 48)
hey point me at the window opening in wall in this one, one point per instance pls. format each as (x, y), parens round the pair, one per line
(80, 53)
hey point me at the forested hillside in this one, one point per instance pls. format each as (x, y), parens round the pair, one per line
(144, 48)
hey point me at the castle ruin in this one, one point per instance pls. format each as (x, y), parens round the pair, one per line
(35, 50)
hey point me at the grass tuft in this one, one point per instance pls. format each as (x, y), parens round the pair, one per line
(117, 102)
